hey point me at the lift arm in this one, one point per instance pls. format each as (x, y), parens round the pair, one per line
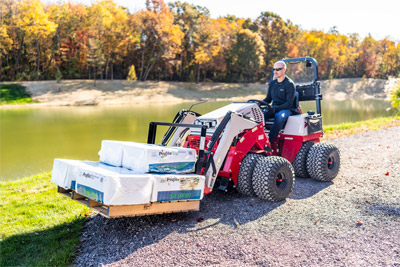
(230, 127)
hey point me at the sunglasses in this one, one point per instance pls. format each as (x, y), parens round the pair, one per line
(277, 69)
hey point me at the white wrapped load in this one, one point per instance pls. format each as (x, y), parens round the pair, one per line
(114, 186)
(171, 187)
(158, 159)
(65, 171)
(111, 152)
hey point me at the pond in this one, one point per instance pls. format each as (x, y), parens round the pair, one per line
(31, 138)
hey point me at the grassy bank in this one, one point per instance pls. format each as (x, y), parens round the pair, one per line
(339, 130)
(14, 94)
(38, 227)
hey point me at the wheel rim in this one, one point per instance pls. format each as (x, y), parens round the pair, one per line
(331, 162)
(281, 180)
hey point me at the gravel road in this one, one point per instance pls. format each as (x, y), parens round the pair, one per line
(317, 225)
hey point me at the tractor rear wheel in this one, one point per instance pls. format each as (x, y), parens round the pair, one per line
(300, 161)
(323, 162)
(273, 178)
(244, 183)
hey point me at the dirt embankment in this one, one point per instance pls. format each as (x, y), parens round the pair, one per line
(105, 92)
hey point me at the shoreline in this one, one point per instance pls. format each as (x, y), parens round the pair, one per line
(122, 92)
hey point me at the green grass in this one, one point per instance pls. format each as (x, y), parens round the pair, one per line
(38, 226)
(13, 94)
(339, 130)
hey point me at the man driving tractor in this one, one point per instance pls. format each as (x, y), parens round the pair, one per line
(281, 92)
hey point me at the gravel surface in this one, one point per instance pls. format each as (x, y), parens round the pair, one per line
(352, 221)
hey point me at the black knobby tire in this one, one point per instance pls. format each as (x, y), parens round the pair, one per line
(273, 178)
(323, 162)
(244, 184)
(300, 161)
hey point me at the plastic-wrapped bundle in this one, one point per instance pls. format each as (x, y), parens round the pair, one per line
(158, 159)
(111, 152)
(65, 171)
(114, 186)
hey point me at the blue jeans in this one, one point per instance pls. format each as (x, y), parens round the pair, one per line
(280, 118)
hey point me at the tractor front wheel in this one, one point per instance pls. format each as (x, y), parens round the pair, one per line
(244, 183)
(323, 162)
(273, 178)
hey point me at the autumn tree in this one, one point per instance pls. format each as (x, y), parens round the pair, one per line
(6, 42)
(275, 35)
(214, 40)
(35, 25)
(189, 18)
(160, 38)
(69, 50)
(178, 42)
(108, 25)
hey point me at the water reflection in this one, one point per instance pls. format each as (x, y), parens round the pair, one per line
(32, 138)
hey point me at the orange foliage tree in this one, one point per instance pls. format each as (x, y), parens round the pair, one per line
(175, 42)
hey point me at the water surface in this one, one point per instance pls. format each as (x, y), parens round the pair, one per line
(31, 138)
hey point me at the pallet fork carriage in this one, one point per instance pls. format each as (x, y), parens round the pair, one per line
(233, 149)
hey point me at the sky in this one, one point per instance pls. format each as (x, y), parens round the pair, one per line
(379, 18)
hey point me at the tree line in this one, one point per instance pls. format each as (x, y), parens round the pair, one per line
(175, 42)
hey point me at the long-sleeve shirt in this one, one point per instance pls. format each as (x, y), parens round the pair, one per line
(281, 94)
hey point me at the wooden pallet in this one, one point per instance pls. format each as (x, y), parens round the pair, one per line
(114, 211)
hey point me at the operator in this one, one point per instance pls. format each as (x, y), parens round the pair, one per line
(281, 92)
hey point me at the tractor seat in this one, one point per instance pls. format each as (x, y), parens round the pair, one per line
(269, 122)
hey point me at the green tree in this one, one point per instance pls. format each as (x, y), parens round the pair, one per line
(396, 97)
(247, 55)
(58, 75)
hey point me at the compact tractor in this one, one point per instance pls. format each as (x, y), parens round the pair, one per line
(234, 150)
(224, 149)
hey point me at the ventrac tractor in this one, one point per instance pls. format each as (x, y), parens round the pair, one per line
(233, 146)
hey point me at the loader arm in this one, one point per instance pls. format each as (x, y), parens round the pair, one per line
(231, 126)
(174, 135)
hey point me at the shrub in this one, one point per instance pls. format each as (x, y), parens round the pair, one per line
(14, 94)
(58, 75)
(396, 98)
(132, 73)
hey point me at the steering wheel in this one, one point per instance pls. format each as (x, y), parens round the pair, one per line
(262, 104)
(259, 102)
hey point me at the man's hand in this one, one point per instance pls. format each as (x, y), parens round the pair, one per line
(269, 110)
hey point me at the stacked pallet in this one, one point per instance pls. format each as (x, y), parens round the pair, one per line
(133, 179)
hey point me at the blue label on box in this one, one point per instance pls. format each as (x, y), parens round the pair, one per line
(178, 195)
(90, 193)
(73, 183)
(175, 167)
